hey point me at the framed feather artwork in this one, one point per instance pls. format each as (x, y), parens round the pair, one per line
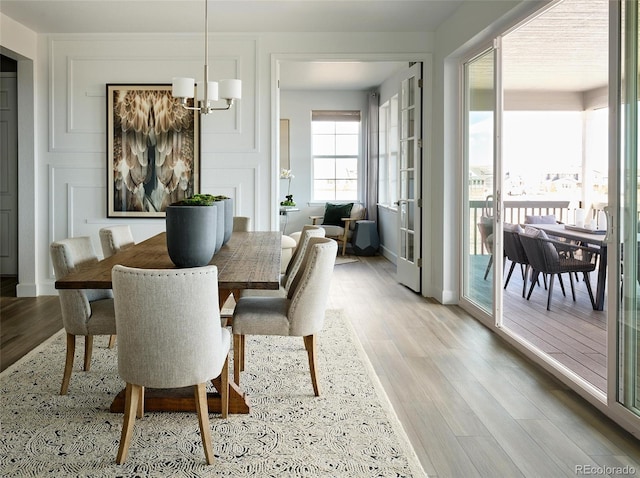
(153, 150)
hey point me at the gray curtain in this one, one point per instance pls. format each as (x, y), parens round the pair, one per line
(371, 158)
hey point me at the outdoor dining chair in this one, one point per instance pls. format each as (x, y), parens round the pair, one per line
(544, 258)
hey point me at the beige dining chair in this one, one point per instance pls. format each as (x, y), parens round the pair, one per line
(86, 312)
(112, 240)
(308, 232)
(241, 224)
(300, 314)
(169, 337)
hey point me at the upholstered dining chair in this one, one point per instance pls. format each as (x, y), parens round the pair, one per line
(85, 312)
(169, 337)
(112, 239)
(544, 258)
(300, 314)
(308, 232)
(339, 221)
(241, 224)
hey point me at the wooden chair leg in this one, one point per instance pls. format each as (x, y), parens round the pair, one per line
(238, 355)
(130, 407)
(203, 420)
(310, 345)
(224, 389)
(68, 363)
(344, 240)
(112, 341)
(88, 351)
(242, 339)
(140, 412)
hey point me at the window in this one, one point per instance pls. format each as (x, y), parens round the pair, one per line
(388, 154)
(335, 145)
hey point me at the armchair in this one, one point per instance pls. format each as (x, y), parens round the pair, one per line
(339, 221)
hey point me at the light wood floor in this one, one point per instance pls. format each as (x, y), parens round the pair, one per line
(471, 405)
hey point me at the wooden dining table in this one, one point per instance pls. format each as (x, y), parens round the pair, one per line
(249, 260)
(586, 237)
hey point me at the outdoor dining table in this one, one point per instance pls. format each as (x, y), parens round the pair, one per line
(249, 260)
(584, 236)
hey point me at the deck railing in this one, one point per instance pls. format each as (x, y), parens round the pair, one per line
(514, 212)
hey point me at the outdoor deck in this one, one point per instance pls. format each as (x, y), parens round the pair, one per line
(571, 332)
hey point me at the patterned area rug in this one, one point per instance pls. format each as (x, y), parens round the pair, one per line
(349, 431)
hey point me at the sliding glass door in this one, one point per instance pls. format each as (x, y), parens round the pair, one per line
(481, 237)
(628, 383)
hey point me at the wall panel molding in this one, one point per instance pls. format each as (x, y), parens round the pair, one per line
(80, 66)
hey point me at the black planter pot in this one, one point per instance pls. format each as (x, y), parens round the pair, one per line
(191, 234)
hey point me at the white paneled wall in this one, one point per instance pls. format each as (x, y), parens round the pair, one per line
(75, 160)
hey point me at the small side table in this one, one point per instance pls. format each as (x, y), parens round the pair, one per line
(365, 240)
(284, 211)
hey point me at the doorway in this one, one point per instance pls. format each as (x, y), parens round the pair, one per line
(305, 77)
(8, 176)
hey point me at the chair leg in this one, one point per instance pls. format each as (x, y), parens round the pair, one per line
(68, 363)
(112, 341)
(140, 412)
(344, 240)
(130, 406)
(525, 274)
(242, 339)
(486, 272)
(573, 289)
(564, 293)
(587, 281)
(238, 356)
(506, 283)
(200, 391)
(534, 278)
(310, 345)
(88, 351)
(553, 276)
(224, 389)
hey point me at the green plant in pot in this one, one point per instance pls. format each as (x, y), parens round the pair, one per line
(192, 230)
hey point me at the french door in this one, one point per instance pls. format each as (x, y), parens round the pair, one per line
(409, 173)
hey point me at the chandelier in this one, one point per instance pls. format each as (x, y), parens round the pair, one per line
(208, 91)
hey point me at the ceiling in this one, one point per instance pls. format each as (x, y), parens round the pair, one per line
(145, 16)
(565, 49)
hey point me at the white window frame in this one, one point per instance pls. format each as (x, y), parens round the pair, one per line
(337, 116)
